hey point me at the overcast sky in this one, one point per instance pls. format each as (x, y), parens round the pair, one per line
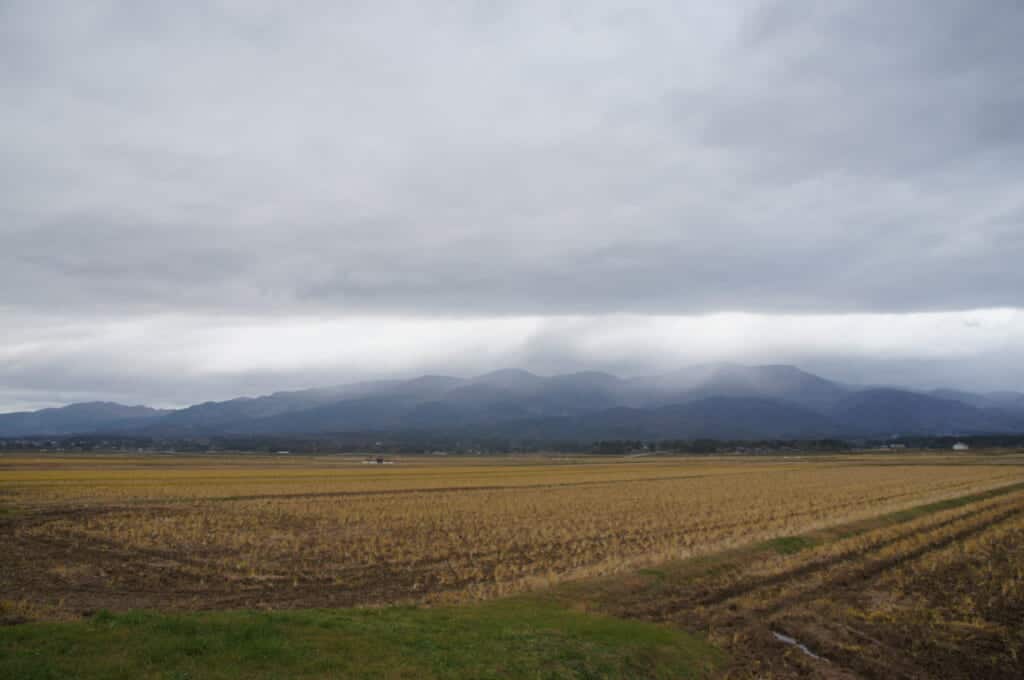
(200, 200)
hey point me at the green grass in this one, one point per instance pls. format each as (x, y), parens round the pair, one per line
(516, 638)
(948, 504)
(790, 545)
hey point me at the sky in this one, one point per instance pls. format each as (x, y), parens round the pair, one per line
(201, 200)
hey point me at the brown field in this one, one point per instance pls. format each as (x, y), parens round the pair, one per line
(85, 533)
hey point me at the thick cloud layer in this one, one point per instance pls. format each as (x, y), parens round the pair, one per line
(382, 164)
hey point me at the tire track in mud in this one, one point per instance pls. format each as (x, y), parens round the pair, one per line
(810, 568)
(874, 648)
(875, 568)
(792, 608)
(666, 604)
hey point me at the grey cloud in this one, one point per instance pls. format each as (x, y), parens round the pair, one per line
(466, 161)
(484, 160)
(911, 91)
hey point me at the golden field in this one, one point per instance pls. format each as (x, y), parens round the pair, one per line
(203, 532)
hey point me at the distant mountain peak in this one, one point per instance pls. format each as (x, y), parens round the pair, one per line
(508, 378)
(728, 399)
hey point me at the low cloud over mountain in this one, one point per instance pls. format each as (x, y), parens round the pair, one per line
(727, 401)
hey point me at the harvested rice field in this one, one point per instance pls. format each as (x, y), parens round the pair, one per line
(174, 533)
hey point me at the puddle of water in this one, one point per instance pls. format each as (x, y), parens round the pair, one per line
(799, 645)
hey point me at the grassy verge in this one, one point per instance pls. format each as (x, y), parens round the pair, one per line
(516, 638)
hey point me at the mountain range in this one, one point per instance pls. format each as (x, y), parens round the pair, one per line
(726, 401)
